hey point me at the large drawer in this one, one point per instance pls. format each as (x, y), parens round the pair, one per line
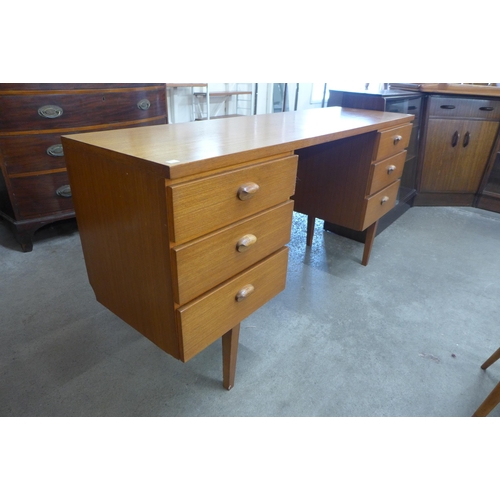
(456, 107)
(385, 172)
(59, 110)
(392, 141)
(199, 207)
(37, 195)
(207, 318)
(208, 261)
(380, 203)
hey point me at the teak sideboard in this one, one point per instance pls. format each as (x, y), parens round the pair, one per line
(184, 226)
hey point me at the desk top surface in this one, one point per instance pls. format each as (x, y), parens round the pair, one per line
(189, 148)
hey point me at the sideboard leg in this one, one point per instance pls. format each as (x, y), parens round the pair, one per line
(229, 354)
(311, 221)
(370, 236)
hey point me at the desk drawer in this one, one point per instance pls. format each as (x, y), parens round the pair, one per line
(207, 318)
(204, 205)
(392, 141)
(380, 203)
(204, 263)
(385, 172)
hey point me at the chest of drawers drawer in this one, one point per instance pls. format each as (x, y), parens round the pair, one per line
(205, 262)
(201, 206)
(392, 141)
(38, 195)
(59, 110)
(205, 319)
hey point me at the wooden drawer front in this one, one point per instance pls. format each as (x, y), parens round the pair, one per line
(380, 203)
(202, 206)
(59, 111)
(31, 153)
(205, 263)
(207, 318)
(392, 141)
(456, 107)
(35, 195)
(385, 172)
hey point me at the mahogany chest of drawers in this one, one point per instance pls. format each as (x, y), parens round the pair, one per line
(34, 186)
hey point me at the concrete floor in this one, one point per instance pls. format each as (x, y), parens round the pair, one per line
(404, 336)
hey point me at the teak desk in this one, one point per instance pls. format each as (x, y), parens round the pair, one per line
(184, 226)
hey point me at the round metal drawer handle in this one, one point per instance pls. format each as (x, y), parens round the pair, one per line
(50, 111)
(397, 138)
(244, 292)
(64, 191)
(245, 242)
(55, 150)
(247, 190)
(143, 104)
(385, 199)
(390, 169)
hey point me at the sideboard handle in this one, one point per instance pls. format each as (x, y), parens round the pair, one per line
(144, 104)
(244, 293)
(55, 150)
(466, 139)
(245, 242)
(454, 139)
(447, 106)
(385, 199)
(390, 169)
(247, 190)
(64, 191)
(50, 111)
(486, 108)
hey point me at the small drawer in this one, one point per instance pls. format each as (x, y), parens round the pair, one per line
(392, 141)
(456, 107)
(208, 261)
(207, 318)
(380, 203)
(31, 153)
(385, 172)
(39, 195)
(204, 205)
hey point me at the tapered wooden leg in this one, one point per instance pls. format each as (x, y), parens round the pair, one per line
(311, 221)
(370, 236)
(229, 355)
(494, 357)
(489, 403)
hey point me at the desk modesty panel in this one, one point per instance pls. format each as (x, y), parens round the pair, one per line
(184, 226)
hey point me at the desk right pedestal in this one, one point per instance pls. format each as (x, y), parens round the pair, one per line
(352, 182)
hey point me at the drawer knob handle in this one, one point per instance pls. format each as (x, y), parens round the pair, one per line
(247, 190)
(385, 199)
(64, 191)
(244, 293)
(245, 242)
(50, 111)
(143, 104)
(390, 169)
(397, 138)
(55, 150)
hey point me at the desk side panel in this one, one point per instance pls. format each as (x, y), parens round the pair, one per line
(121, 213)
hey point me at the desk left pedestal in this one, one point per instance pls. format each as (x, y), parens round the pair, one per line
(184, 260)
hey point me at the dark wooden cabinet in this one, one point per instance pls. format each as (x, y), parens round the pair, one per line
(459, 137)
(34, 186)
